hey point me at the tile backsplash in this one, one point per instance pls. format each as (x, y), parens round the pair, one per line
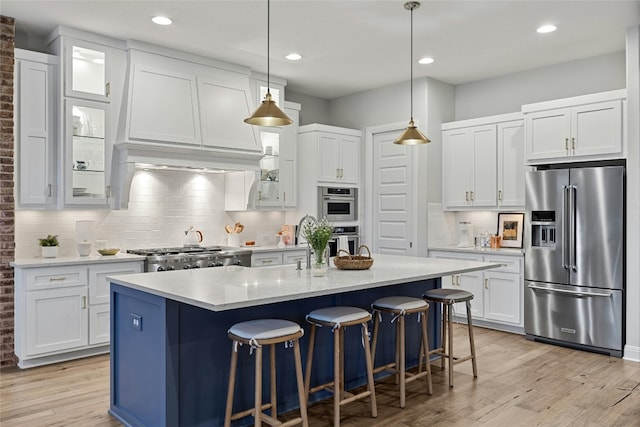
(163, 204)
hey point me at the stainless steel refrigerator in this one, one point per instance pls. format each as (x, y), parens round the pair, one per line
(575, 257)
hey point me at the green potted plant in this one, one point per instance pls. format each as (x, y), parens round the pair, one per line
(318, 235)
(49, 246)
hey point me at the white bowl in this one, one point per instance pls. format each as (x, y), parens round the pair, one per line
(84, 248)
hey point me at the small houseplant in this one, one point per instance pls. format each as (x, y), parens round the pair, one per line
(49, 246)
(318, 235)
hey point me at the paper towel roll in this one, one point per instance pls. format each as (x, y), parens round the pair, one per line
(343, 243)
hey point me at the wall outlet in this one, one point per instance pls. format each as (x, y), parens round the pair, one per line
(136, 322)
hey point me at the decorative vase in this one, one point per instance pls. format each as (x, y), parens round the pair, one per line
(319, 266)
(49, 251)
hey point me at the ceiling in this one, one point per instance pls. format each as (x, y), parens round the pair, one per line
(352, 46)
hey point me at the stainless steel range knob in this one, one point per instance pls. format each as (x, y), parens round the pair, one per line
(196, 266)
(170, 267)
(236, 261)
(186, 266)
(211, 264)
(160, 268)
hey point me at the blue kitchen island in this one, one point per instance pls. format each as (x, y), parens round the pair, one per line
(170, 353)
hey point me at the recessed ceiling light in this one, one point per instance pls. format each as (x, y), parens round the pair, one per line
(546, 29)
(294, 56)
(425, 60)
(161, 20)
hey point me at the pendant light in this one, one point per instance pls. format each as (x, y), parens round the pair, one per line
(411, 135)
(268, 113)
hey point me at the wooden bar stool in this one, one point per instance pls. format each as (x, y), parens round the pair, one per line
(338, 318)
(448, 297)
(257, 333)
(400, 307)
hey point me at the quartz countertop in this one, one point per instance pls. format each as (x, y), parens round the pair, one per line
(60, 261)
(233, 287)
(478, 250)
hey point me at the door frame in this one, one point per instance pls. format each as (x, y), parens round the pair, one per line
(367, 195)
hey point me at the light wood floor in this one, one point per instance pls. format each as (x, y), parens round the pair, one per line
(520, 383)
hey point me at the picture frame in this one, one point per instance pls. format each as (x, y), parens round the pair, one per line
(511, 229)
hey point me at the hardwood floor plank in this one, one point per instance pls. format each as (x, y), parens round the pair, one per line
(520, 383)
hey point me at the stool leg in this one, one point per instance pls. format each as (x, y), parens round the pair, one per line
(307, 374)
(258, 390)
(367, 358)
(471, 340)
(450, 343)
(397, 343)
(424, 346)
(342, 332)
(444, 334)
(402, 361)
(274, 402)
(337, 387)
(302, 397)
(374, 339)
(232, 383)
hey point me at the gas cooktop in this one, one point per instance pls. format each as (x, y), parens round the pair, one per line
(180, 250)
(187, 257)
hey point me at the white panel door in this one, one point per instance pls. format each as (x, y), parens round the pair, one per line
(483, 139)
(393, 199)
(596, 128)
(99, 324)
(502, 297)
(547, 134)
(511, 164)
(328, 157)
(457, 168)
(350, 160)
(99, 285)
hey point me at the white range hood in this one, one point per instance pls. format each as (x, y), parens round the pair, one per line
(182, 111)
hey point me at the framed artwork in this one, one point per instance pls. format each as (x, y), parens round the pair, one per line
(510, 229)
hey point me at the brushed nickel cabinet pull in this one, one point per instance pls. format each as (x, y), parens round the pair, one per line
(453, 280)
(107, 88)
(486, 283)
(466, 196)
(472, 196)
(500, 195)
(566, 144)
(573, 143)
(49, 191)
(57, 279)
(84, 302)
(267, 261)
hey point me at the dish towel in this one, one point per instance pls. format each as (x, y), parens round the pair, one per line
(343, 243)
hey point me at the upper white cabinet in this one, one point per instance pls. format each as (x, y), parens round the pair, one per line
(87, 68)
(36, 128)
(188, 100)
(483, 163)
(331, 155)
(575, 129)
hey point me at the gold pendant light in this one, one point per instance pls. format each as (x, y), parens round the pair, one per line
(411, 135)
(268, 113)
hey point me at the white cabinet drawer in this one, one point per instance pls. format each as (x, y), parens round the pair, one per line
(266, 259)
(99, 285)
(292, 257)
(510, 264)
(55, 277)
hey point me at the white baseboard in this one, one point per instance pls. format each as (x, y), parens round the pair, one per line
(631, 353)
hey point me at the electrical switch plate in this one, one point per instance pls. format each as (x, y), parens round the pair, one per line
(136, 322)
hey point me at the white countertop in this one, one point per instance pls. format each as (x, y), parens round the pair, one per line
(59, 261)
(232, 287)
(476, 250)
(275, 248)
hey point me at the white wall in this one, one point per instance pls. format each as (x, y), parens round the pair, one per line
(315, 110)
(505, 94)
(163, 204)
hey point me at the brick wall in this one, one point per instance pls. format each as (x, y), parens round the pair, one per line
(7, 206)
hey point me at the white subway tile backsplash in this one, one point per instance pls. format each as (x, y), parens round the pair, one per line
(163, 204)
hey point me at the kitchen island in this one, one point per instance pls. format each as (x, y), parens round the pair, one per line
(169, 348)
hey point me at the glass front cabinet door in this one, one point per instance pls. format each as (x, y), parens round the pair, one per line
(85, 157)
(87, 71)
(269, 191)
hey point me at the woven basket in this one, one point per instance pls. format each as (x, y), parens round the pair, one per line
(353, 262)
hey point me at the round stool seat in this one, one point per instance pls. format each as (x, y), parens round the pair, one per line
(339, 315)
(400, 304)
(448, 296)
(264, 329)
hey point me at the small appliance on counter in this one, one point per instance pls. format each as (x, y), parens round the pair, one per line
(465, 234)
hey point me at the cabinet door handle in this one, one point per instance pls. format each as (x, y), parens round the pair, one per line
(573, 143)
(457, 280)
(566, 144)
(49, 191)
(486, 283)
(108, 191)
(84, 302)
(107, 89)
(453, 280)
(472, 196)
(57, 279)
(267, 261)
(500, 195)
(466, 196)
(284, 196)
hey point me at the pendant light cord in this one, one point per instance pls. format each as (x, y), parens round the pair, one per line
(411, 61)
(268, 44)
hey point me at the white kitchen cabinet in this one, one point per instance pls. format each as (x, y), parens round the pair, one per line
(498, 293)
(470, 160)
(278, 257)
(331, 155)
(483, 163)
(87, 153)
(36, 129)
(511, 164)
(62, 311)
(575, 129)
(87, 68)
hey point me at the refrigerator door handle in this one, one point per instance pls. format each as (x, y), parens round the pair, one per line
(577, 293)
(565, 231)
(572, 235)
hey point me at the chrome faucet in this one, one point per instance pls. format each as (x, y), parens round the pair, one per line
(303, 220)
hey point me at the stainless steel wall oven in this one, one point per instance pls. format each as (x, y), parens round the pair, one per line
(338, 204)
